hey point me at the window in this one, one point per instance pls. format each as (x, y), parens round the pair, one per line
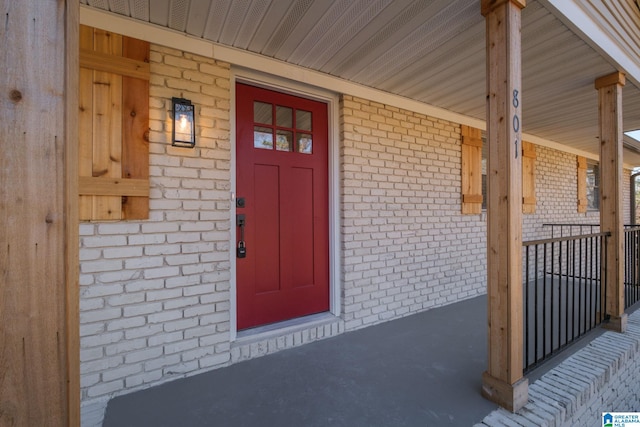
(588, 185)
(263, 129)
(474, 173)
(635, 196)
(593, 186)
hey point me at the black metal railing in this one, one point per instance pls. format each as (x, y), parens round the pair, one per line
(631, 253)
(631, 265)
(564, 292)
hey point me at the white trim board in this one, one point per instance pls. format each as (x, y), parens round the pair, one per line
(239, 74)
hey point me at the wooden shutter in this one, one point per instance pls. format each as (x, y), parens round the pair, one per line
(582, 184)
(471, 170)
(528, 177)
(113, 126)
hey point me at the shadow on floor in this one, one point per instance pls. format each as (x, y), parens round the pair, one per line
(421, 370)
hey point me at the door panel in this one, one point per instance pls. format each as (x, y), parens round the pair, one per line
(266, 233)
(282, 173)
(302, 227)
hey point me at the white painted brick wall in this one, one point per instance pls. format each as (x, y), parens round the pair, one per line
(406, 246)
(557, 194)
(155, 294)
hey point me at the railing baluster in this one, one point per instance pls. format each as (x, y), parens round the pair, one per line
(566, 290)
(632, 266)
(544, 306)
(588, 294)
(535, 312)
(552, 292)
(576, 289)
(526, 308)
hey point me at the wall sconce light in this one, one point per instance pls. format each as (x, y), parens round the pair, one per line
(183, 133)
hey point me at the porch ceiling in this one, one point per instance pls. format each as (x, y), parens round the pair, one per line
(428, 51)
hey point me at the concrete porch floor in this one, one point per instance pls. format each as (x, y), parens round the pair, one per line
(421, 370)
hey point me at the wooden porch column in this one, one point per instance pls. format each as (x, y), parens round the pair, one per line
(503, 382)
(610, 120)
(39, 354)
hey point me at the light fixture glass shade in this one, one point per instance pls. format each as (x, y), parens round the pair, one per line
(183, 133)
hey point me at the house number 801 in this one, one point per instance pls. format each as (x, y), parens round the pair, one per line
(516, 118)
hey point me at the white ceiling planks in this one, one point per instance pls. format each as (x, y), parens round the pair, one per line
(429, 51)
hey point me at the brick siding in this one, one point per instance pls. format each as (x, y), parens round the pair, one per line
(406, 247)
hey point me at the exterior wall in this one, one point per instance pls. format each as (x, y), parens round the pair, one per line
(406, 246)
(557, 195)
(156, 294)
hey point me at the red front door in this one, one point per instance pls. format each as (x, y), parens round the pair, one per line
(282, 185)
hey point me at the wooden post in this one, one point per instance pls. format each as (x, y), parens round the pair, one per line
(503, 382)
(39, 367)
(610, 120)
(72, 209)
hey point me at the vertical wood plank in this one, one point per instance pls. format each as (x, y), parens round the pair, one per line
(72, 261)
(503, 382)
(471, 170)
(611, 216)
(34, 344)
(107, 126)
(85, 124)
(135, 128)
(528, 178)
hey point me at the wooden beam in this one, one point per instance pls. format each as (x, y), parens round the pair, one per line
(489, 5)
(113, 64)
(39, 371)
(503, 382)
(89, 186)
(611, 217)
(472, 198)
(616, 78)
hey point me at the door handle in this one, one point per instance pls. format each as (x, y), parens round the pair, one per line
(241, 250)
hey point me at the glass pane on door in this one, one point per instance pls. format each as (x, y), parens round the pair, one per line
(262, 138)
(284, 117)
(284, 139)
(304, 143)
(262, 113)
(303, 120)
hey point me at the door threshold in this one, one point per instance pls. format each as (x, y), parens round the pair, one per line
(274, 330)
